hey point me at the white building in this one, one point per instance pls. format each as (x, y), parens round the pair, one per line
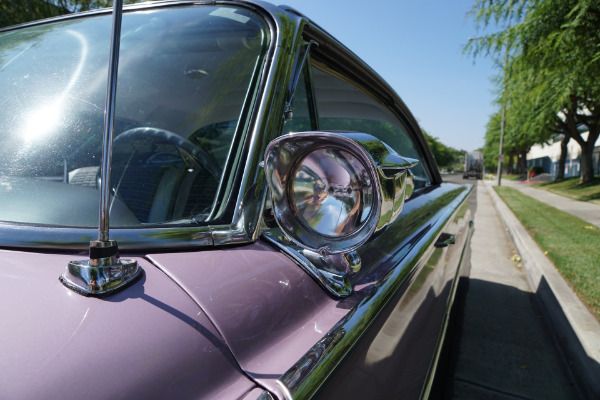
(547, 156)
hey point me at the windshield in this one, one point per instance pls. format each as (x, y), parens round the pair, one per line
(184, 76)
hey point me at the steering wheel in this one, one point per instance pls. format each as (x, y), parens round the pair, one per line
(196, 154)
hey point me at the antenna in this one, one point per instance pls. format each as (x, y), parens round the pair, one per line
(104, 273)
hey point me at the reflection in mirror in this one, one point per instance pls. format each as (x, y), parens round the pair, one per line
(332, 192)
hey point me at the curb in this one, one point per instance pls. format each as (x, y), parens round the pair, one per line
(574, 327)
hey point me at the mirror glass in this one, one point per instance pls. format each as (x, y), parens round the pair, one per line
(332, 193)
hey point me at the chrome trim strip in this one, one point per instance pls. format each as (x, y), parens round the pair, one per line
(305, 378)
(245, 130)
(78, 239)
(254, 156)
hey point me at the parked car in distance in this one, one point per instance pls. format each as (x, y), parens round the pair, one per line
(245, 211)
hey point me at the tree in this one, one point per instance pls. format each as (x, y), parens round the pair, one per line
(14, 12)
(445, 157)
(554, 65)
(492, 140)
(566, 52)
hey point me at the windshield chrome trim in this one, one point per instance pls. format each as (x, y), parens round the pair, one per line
(264, 127)
(78, 239)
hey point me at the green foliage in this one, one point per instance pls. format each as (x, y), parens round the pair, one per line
(14, 12)
(445, 157)
(550, 69)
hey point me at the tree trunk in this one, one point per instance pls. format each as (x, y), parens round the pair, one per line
(587, 163)
(592, 121)
(509, 164)
(560, 174)
(523, 162)
(587, 151)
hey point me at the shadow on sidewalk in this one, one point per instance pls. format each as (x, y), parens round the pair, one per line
(501, 347)
(587, 369)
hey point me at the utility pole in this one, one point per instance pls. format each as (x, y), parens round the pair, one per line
(500, 155)
(503, 122)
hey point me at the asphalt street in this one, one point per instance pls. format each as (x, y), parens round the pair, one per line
(500, 346)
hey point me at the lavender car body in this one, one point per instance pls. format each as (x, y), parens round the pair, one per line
(278, 253)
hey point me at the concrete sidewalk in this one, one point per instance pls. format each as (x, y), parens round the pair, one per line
(574, 327)
(586, 211)
(505, 349)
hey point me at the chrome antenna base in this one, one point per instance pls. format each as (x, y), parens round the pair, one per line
(103, 274)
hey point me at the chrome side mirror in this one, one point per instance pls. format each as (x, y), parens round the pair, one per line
(331, 191)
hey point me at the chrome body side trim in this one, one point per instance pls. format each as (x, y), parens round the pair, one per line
(305, 378)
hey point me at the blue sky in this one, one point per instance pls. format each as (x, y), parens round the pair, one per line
(416, 46)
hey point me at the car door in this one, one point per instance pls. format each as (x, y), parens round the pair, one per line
(389, 342)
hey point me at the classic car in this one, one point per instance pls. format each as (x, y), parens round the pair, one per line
(215, 199)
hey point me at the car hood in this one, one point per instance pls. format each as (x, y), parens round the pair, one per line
(267, 308)
(148, 341)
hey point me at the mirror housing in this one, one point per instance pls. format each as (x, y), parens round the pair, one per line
(332, 190)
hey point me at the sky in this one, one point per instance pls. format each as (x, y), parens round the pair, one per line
(416, 46)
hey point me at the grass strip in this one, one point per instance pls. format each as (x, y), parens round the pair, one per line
(573, 189)
(512, 177)
(571, 243)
